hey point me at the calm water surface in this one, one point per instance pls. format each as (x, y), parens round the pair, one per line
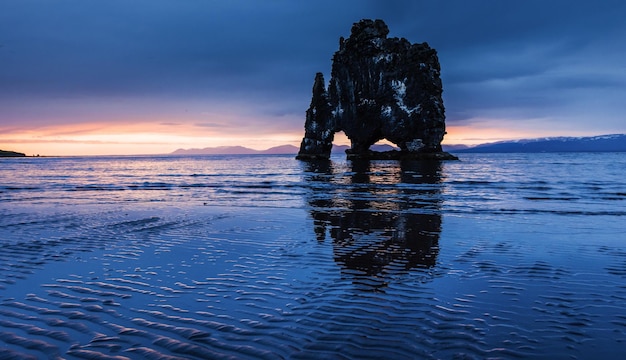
(494, 256)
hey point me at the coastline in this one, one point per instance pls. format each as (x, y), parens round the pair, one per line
(6, 153)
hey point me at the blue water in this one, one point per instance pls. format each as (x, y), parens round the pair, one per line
(493, 256)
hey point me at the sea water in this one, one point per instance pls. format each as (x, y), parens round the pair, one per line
(164, 257)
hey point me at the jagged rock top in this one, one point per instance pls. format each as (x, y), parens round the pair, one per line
(366, 30)
(380, 88)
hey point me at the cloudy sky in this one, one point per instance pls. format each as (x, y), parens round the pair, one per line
(84, 77)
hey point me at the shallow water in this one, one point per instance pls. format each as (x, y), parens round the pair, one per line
(494, 256)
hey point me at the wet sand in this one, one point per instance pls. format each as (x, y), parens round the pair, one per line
(157, 281)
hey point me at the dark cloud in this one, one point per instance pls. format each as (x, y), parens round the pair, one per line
(526, 59)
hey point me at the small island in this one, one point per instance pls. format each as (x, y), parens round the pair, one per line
(5, 153)
(380, 88)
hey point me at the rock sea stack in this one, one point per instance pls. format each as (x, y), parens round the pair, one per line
(380, 88)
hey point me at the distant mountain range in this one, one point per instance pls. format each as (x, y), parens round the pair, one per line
(603, 143)
(277, 150)
(237, 150)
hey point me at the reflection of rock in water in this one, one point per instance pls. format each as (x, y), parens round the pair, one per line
(384, 218)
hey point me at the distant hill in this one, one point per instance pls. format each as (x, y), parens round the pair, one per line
(5, 153)
(277, 150)
(283, 149)
(237, 150)
(603, 143)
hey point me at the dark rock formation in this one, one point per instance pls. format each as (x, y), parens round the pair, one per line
(319, 125)
(5, 153)
(380, 88)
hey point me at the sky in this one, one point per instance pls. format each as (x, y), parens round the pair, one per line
(103, 77)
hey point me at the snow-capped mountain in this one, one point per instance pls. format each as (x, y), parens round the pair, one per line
(602, 143)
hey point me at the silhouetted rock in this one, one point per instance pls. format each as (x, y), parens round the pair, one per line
(4, 153)
(380, 88)
(319, 125)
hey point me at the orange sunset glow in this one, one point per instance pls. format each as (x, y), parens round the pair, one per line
(132, 139)
(143, 138)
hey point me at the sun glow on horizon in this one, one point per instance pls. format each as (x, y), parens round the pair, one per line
(135, 139)
(152, 138)
(468, 135)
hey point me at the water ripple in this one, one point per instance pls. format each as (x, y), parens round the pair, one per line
(434, 263)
